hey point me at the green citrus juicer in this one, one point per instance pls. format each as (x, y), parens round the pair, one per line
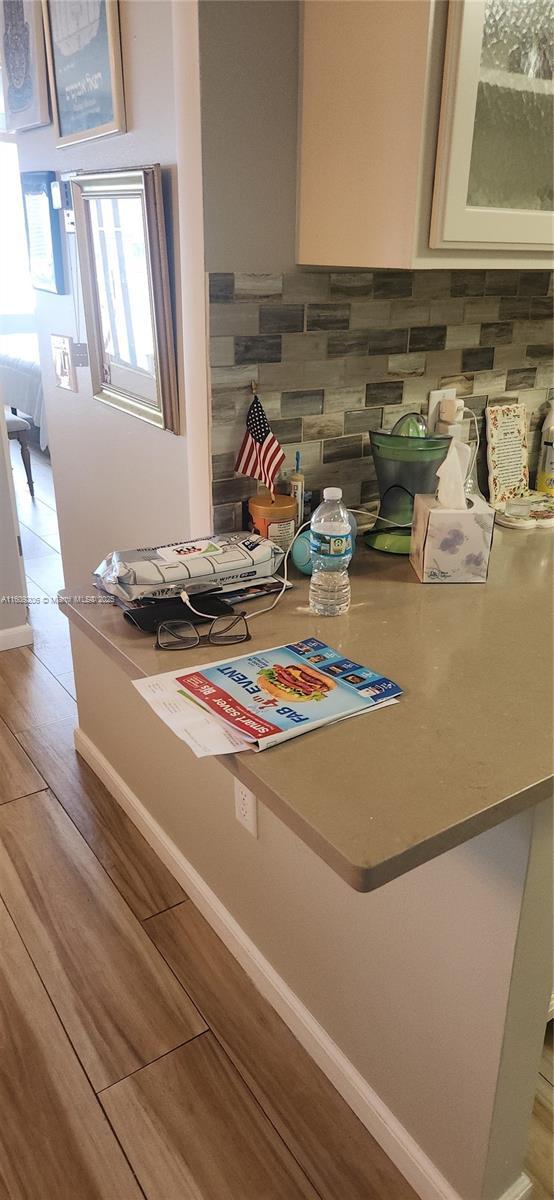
(406, 460)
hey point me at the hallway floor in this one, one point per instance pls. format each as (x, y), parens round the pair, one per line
(40, 541)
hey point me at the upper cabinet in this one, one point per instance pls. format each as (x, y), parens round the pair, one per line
(425, 133)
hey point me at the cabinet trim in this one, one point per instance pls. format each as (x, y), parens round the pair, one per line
(453, 223)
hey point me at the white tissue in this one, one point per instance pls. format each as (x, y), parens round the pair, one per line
(452, 475)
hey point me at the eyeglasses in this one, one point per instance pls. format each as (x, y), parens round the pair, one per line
(183, 635)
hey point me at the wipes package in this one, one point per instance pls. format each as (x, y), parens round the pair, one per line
(197, 566)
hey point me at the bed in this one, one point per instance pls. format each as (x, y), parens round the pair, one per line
(21, 379)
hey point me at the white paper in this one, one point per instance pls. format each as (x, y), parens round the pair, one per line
(192, 724)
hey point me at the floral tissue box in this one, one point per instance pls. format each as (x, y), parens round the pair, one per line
(451, 545)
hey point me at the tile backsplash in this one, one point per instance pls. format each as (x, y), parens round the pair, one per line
(335, 354)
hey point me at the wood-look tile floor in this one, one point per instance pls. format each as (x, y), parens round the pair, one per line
(136, 1058)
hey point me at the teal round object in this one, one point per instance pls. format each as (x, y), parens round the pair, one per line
(300, 553)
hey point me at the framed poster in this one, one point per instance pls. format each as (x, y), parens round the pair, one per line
(42, 225)
(24, 65)
(84, 64)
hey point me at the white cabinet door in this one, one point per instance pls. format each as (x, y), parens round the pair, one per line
(495, 171)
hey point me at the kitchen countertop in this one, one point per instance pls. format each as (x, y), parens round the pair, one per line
(468, 745)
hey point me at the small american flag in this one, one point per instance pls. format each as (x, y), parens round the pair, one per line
(260, 456)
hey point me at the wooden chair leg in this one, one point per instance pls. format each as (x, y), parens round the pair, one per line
(23, 442)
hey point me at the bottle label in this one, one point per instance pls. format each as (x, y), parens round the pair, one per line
(330, 545)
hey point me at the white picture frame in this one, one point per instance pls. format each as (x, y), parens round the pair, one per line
(24, 79)
(83, 50)
(120, 377)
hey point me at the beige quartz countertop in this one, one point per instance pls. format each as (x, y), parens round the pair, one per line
(469, 744)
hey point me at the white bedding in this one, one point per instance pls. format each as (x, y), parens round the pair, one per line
(21, 379)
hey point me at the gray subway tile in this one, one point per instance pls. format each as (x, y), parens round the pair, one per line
(362, 420)
(221, 287)
(234, 377)
(497, 333)
(440, 362)
(326, 374)
(432, 285)
(222, 351)
(259, 287)
(388, 341)
(281, 318)
(223, 465)
(534, 283)
(367, 314)
(461, 336)
(365, 369)
(539, 353)
(392, 283)
(407, 364)
(468, 283)
(407, 313)
(512, 307)
(224, 491)
(227, 518)
(257, 349)
(479, 359)
(489, 382)
(369, 490)
(281, 376)
(447, 311)
(501, 283)
(349, 284)
(305, 286)
(288, 430)
(224, 403)
(512, 355)
(328, 316)
(462, 383)
(388, 392)
(478, 404)
(344, 399)
(302, 403)
(428, 337)
(532, 331)
(480, 309)
(542, 306)
(523, 377)
(229, 319)
(347, 342)
(328, 425)
(340, 449)
(301, 347)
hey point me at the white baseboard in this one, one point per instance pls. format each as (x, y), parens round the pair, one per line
(18, 635)
(395, 1140)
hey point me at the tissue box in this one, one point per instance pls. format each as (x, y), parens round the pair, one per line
(451, 545)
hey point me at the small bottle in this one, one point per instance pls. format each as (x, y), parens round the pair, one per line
(545, 473)
(331, 551)
(296, 480)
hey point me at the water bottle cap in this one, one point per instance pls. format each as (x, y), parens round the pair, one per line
(332, 493)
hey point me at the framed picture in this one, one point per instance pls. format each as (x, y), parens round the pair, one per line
(23, 65)
(84, 63)
(42, 225)
(120, 227)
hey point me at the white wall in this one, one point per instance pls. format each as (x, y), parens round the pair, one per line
(119, 482)
(249, 83)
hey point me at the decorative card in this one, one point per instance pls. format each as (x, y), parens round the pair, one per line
(507, 452)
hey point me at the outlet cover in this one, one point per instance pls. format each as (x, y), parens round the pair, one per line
(246, 808)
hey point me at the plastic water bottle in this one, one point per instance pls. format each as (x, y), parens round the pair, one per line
(331, 551)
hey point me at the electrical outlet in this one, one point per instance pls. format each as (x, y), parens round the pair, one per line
(435, 398)
(246, 808)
